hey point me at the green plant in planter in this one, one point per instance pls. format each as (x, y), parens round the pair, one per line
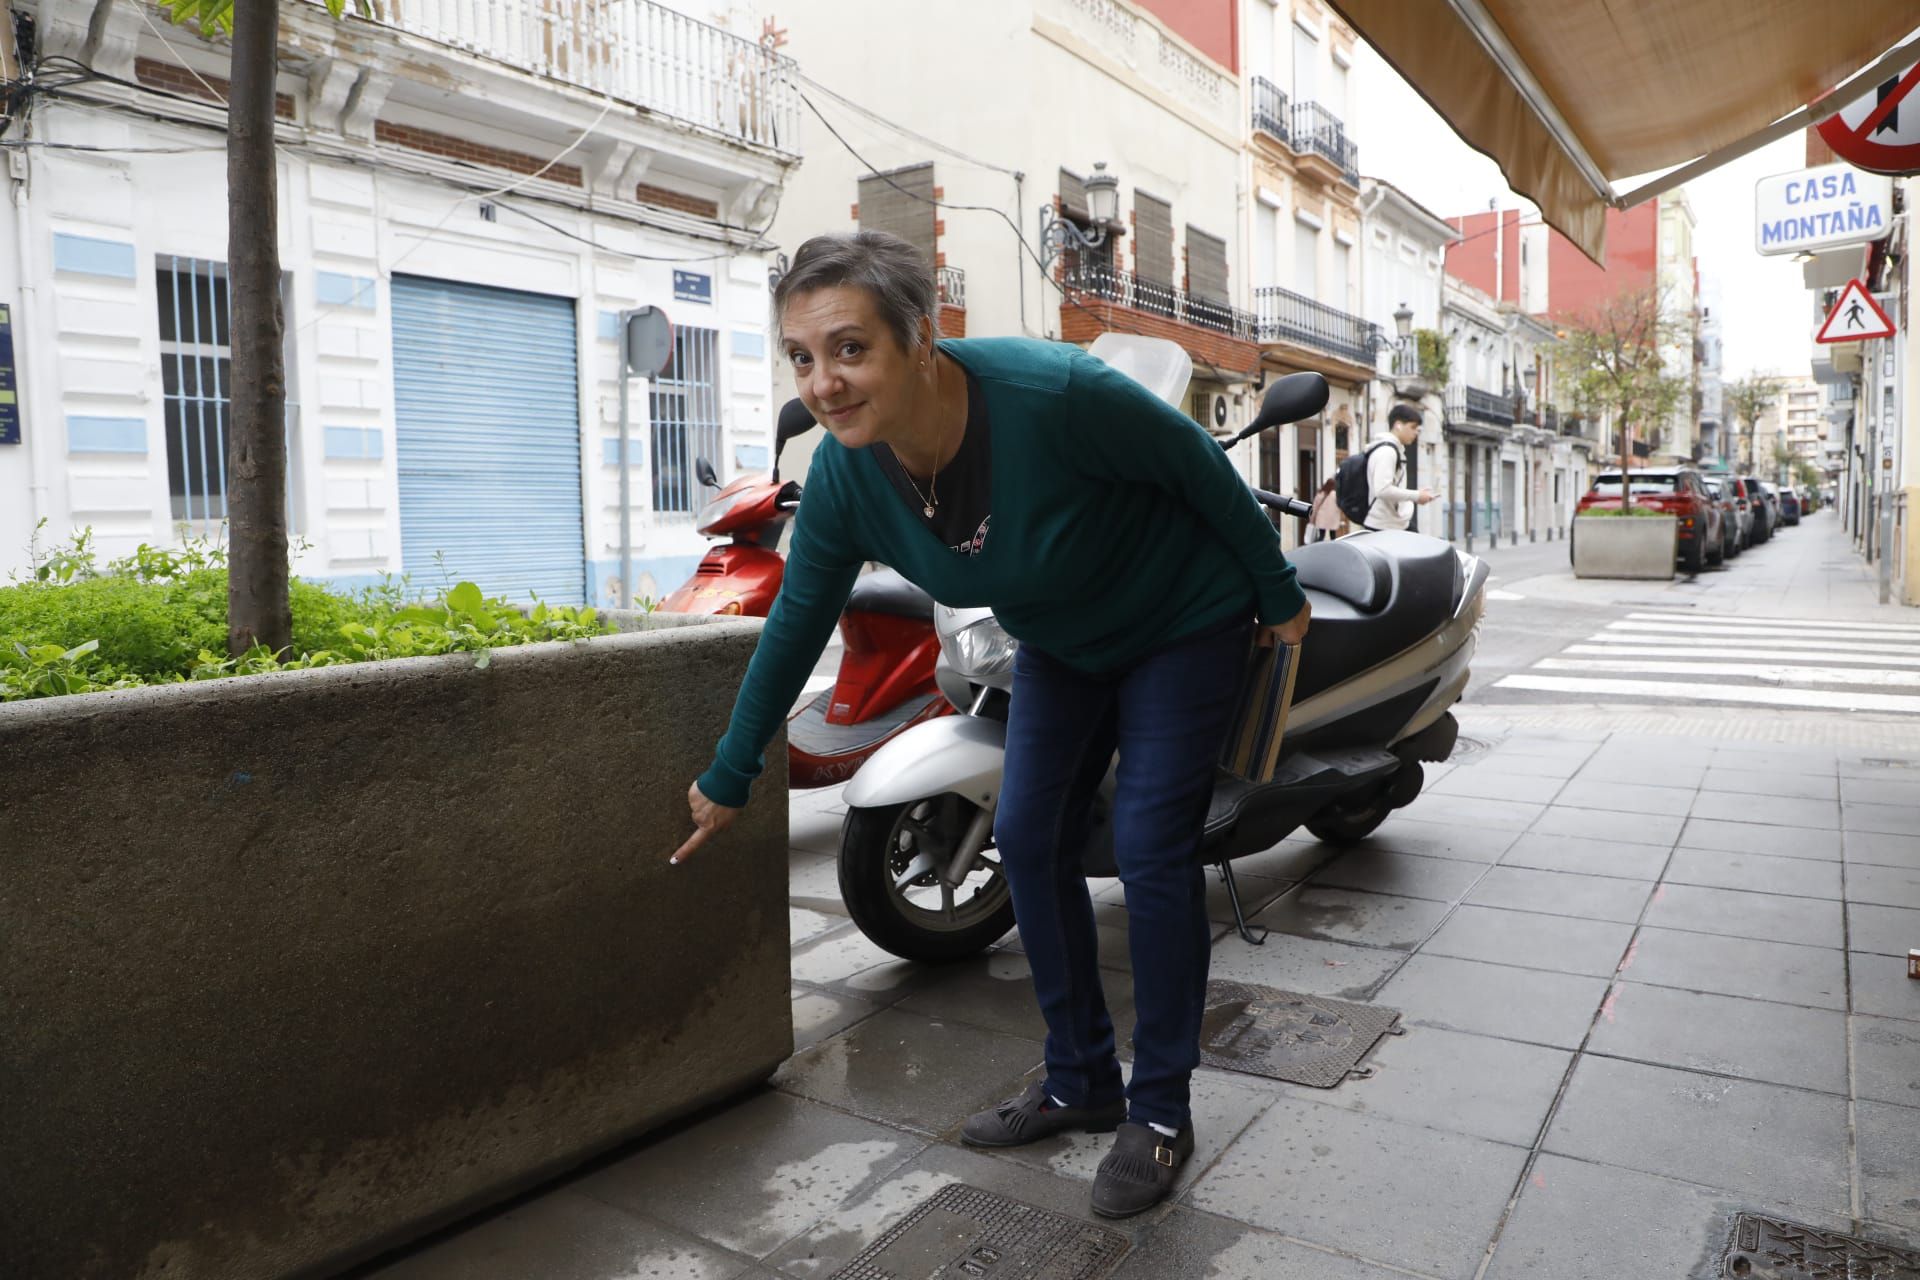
(1434, 351)
(158, 616)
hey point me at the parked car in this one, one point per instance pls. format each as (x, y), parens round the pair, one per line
(1732, 520)
(1789, 505)
(1743, 504)
(1766, 516)
(1674, 491)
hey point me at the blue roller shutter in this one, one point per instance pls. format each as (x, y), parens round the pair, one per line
(487, 400)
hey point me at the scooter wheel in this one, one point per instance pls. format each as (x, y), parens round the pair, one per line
(891, 857)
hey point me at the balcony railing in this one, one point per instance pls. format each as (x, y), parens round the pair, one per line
(1159, 299)
(1270, 108)
(634, 51)
(1317, 131)
(950, 286)
(1286, 316)
(1487, 406)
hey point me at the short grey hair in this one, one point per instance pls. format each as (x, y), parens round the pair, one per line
(893, 273)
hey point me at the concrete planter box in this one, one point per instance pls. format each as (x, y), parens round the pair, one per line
(296, 967)
(1624, 546)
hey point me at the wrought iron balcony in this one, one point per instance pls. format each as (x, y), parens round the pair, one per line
(950, 286)
(1487, 406)
(1286, 316)
(1270, 108)
(1097, 281)
(1317, 131)
(636, 51)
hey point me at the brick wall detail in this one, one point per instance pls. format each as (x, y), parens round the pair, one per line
(168, 78)
(953, 321)
(1095, 316)
(663, 198)
(444, 144)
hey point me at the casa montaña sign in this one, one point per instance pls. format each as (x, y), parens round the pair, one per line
(1809, 209)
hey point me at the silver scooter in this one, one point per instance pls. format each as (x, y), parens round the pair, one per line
(1385, 658)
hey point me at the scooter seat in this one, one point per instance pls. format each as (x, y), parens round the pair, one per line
(885, 591)
(1346, 570)
(1374, 595)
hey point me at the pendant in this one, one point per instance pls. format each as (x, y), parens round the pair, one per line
(929, 512)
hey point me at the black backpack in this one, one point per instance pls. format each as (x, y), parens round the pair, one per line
(1351, 489)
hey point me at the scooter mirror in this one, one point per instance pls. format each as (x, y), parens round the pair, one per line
(703, 471)
(794, 421)
(1292, 398)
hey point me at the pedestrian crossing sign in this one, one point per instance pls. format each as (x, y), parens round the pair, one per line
(1855, 317)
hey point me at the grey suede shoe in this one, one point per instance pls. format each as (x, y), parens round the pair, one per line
(1032, 1116)
(1140, 1170)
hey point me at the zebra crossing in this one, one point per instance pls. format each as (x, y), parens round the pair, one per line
(1797, 663)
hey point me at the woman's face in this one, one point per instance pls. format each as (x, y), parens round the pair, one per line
(851, 372)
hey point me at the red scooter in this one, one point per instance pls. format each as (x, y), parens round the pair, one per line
(885, 683)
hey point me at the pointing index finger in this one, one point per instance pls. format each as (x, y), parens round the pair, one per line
(699, 837)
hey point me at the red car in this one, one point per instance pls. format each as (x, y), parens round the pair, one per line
(1676, 491)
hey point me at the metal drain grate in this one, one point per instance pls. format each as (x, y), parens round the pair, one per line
(962, 1232)
(1287, 1036)
(1774, 1249)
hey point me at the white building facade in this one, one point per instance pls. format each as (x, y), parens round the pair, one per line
(466, 209)
(973, 150)
(1402, 268)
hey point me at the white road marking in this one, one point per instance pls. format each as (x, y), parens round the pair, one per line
(1495, 594)
(1715, 643)
(1728, 619)
(1704, 629)
(817, 684)
(1777, 672)
(1715, 652)
(1670, 691)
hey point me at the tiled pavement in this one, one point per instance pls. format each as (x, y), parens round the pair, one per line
(1646, 982)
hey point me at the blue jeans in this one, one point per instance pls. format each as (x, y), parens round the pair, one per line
(1167, 715)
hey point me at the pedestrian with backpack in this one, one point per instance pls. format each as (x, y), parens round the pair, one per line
(1371, 485)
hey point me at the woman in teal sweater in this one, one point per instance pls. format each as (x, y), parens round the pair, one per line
(1113, 538)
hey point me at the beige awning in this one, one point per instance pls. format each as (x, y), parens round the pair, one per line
(1568, 96)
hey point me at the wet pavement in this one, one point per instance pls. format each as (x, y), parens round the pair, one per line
(1651, 966)
(1648, 982)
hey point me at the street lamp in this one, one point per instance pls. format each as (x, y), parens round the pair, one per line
(1402, 325)
(1057, 234)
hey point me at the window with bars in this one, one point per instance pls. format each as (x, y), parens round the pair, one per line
(196, 375)
(684, 407)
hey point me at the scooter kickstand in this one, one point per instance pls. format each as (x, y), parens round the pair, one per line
(1239, 915)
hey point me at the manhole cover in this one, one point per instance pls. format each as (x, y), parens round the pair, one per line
(1465, 746)
(963, 1231)
(1774, 1249)
(1297, 1038)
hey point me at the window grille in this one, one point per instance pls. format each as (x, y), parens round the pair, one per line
(684, 407)
(196, 374)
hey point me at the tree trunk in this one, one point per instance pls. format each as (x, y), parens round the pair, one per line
(257, 610)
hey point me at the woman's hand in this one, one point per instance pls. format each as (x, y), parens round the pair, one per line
(1292, 631)
(709, 820)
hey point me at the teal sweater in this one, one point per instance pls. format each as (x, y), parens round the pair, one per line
(1119, 525)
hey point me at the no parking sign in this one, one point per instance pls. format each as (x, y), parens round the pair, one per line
(1881, 130)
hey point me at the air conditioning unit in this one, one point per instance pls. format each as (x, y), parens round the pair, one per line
(1212, 410)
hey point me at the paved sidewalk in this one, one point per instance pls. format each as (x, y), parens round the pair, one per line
(1647, 982)
(1809, 570)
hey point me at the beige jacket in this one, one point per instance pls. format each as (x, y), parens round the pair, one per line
(1393, 502)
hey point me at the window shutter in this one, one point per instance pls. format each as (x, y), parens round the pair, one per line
(1153, 239)
(1073, 195)
(901, 202)
(1206, 266)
